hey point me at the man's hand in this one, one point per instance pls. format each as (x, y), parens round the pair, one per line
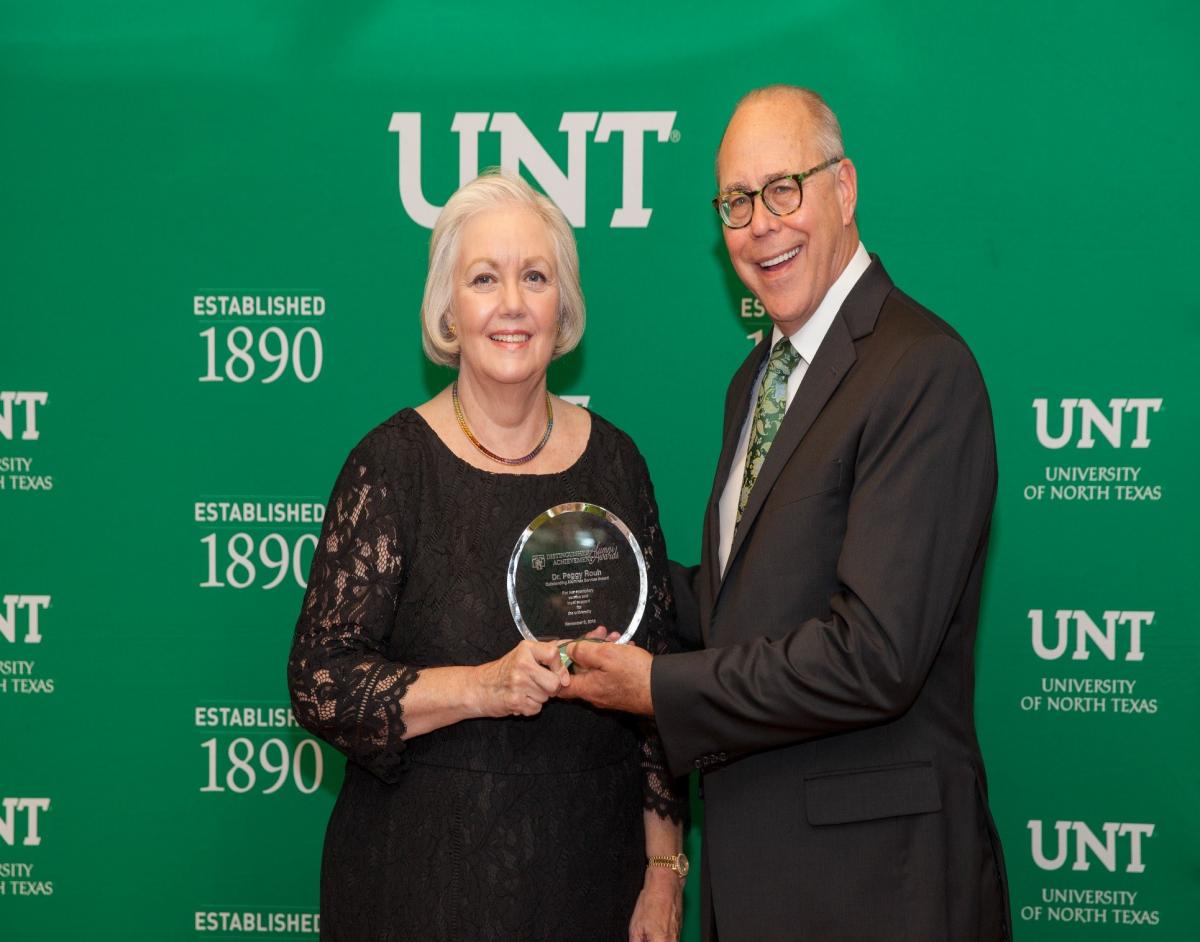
(610, 676)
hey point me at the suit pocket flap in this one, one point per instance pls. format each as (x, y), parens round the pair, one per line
(868, 794)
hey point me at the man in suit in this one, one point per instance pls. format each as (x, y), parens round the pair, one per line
(830, 708)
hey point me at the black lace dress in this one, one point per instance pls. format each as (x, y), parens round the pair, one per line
(523, 828)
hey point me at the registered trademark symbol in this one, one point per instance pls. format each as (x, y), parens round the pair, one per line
(675, 136)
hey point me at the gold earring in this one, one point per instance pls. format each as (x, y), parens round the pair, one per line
(451, 331)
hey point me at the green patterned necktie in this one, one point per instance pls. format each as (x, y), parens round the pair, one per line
(768, 414)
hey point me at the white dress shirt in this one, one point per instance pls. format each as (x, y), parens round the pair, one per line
(807, 340)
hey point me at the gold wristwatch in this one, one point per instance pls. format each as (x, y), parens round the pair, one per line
(676, 862)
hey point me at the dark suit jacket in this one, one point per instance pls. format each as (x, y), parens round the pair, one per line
(830, 710)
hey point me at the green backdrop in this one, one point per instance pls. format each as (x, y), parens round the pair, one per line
(1026, 170)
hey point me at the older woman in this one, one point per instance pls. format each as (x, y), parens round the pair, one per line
(475, 805)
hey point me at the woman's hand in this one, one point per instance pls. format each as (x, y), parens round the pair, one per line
(659, 911)
(521, 681)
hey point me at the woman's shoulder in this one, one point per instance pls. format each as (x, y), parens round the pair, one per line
(399, 426)
(392, 443)
(613, 441)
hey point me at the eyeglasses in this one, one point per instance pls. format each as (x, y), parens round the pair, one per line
(782, 196)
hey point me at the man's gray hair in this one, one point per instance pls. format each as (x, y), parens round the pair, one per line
(827, 132)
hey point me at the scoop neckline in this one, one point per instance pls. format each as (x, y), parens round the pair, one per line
(432, 433)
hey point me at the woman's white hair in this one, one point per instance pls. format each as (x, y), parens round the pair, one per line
(496, 189)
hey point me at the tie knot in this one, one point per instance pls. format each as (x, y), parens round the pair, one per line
(784, 358)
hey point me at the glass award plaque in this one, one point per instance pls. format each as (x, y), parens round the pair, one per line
(575, 567)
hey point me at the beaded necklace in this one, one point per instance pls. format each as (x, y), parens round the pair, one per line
(462, 423)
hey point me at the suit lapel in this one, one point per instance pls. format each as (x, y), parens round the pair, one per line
(832, 362)
(830, 365)
(737, 404)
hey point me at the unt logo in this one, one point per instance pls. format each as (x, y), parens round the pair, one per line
(518, 147)
(10, 628)
(31, 401)
(1110, 851)
(1088, 634)
(1092, 419)
(19, 820)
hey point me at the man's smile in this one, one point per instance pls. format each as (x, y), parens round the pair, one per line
(775, 263)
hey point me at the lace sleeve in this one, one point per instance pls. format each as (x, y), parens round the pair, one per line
(664, 795)
(343, 687)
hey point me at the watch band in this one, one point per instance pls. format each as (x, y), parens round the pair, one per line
(676, 862)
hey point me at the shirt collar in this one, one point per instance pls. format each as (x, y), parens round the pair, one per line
(808, 338)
